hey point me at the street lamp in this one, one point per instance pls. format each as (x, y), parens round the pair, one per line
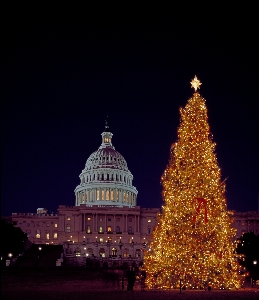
(108, 245)
(121, 245)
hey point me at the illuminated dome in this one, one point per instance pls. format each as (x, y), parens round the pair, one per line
(106, 179)
(106, 157)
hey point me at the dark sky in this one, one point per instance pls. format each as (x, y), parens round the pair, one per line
(61, 78)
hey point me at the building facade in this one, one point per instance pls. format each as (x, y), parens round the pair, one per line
(105, 224)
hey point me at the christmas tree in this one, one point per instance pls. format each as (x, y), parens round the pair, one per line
(194, 237)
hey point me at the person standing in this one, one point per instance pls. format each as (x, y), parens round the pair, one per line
(131, 279)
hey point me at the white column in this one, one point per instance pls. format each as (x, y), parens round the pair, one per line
(88, 196)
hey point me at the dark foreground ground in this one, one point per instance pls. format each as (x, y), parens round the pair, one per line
(79, 284)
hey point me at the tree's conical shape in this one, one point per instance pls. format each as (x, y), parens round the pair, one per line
(194, 237)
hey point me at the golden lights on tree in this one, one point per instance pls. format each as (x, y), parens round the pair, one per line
(194, 237)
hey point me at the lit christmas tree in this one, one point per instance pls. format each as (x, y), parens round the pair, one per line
(194, 238)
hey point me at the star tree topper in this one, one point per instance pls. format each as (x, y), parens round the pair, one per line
(195, 83)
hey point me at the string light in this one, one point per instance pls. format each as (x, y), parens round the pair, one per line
(194, 237)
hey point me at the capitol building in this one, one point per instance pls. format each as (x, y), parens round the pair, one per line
(105, 224)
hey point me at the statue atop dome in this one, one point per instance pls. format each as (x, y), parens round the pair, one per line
(107, 128)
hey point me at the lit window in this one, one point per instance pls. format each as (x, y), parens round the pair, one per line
(55, 235)
(98, 195)
(107, 195)
(126, 252)
(88, 229)
(102, 194)
(100, 229)
(56, 225)
(68, 218)
(101, 240)
(138, 252)
(47, 236)
(114, 252)
(38, 234)
(78, 251)
(89, 218)
(109, 229)
(149, 220)
(68, 229)
(102, 252)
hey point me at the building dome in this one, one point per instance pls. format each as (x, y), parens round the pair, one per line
(106, 157)
(106, 179)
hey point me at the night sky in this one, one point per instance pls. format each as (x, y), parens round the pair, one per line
(61, 78)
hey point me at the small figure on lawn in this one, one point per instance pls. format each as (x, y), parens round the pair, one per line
(131, 279)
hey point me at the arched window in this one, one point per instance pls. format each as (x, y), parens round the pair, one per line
(138, 253)
(98, 195)
(114, 252)
(109, 229)
(100, 229)
(102, 194)
(78, 251)
(112, 197)
(126, 252)
(90, 251)
(38, 234)
(102, 252)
